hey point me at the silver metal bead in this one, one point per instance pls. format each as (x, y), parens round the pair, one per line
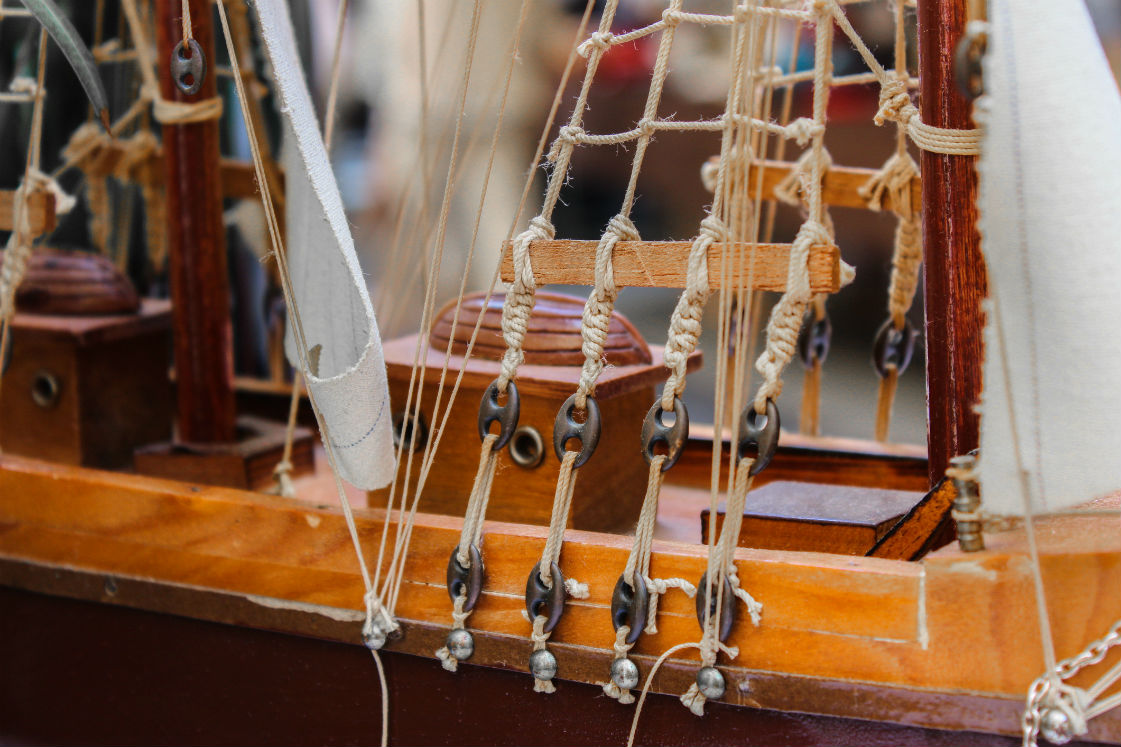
(710, 682)
(624, 673)
(543, 665)
(373, 636)
(461, 644)
(1054, 725)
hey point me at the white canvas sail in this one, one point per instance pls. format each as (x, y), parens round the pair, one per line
(349, 381)
(1050, 219)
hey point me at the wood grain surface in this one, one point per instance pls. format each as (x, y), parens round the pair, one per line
(663, 264)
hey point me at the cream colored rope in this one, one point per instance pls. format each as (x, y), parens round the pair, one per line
(166, 111)
(376, 617)
(721, 567)
(480, 490)
(17, 252)
(638, 566)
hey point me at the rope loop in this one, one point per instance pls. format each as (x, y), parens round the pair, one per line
(600, 304)
(520, 298)
(786, 318)
(685, 324)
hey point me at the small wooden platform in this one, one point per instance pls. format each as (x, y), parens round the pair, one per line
(41, 211)
(247, 463)
(840, 519)
(87, 389)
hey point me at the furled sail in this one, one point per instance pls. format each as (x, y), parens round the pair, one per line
(1050, 219)
(348, 378)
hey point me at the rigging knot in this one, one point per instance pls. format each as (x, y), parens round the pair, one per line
(567, 135)
(598, 40)
(713, 229)
(803, 129)
(786, 318)
(895, 103)
(25, 84)
(894, 179)
(671, 17)
(519, 298)
(799, 182)
(601, 302)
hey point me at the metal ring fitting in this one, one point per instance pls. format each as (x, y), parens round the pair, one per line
(188, 66)
(763, 437)
(527, 448)
(654, 431)
(893, 347)
(403, 425)
(629, 606)
(466, 580)
(587, 433)
(538, 596)
(45, 389)
(969, 59)
(727, 606)
(505, 415)
(813, 343)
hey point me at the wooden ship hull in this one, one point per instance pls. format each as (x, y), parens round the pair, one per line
(138, 609)
(113, 583)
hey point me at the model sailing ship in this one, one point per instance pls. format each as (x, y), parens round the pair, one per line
(906, 637)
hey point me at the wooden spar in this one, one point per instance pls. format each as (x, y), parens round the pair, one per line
(954, 270)
(197, 244)
(840, 187)
(40, 211)
(662, 264)
(237, 178)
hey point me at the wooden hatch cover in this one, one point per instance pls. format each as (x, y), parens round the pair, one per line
(553, 338)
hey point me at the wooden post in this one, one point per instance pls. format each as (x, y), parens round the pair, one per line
(197, 242)
(954, 270)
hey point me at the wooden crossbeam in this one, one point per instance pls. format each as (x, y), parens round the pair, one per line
(840, 188)
(41, 213)
(238, 178)
(663, 264)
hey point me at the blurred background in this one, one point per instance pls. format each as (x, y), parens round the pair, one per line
(401, 74)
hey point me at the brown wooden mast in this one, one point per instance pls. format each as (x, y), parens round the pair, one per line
(197, 268)
(954, 270)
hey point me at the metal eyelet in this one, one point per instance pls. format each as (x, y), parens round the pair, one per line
(466, 580)
(527, 448)
(813, 344)
(565, 428)
(403, 425)
(505, 415)
(538, 596)
(727, 606)
(893, 347)
(630, 606)
(188, 66)
(763, 438)
(654, 431)
(45, 389)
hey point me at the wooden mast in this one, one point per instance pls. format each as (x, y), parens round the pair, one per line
(954, 270)
(197, 243)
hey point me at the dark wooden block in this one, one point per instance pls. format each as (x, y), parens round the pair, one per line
(246, 463)
(87, 389)
(821, 518)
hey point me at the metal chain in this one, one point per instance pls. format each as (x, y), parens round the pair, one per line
(1093, 654)
(1065, 669)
